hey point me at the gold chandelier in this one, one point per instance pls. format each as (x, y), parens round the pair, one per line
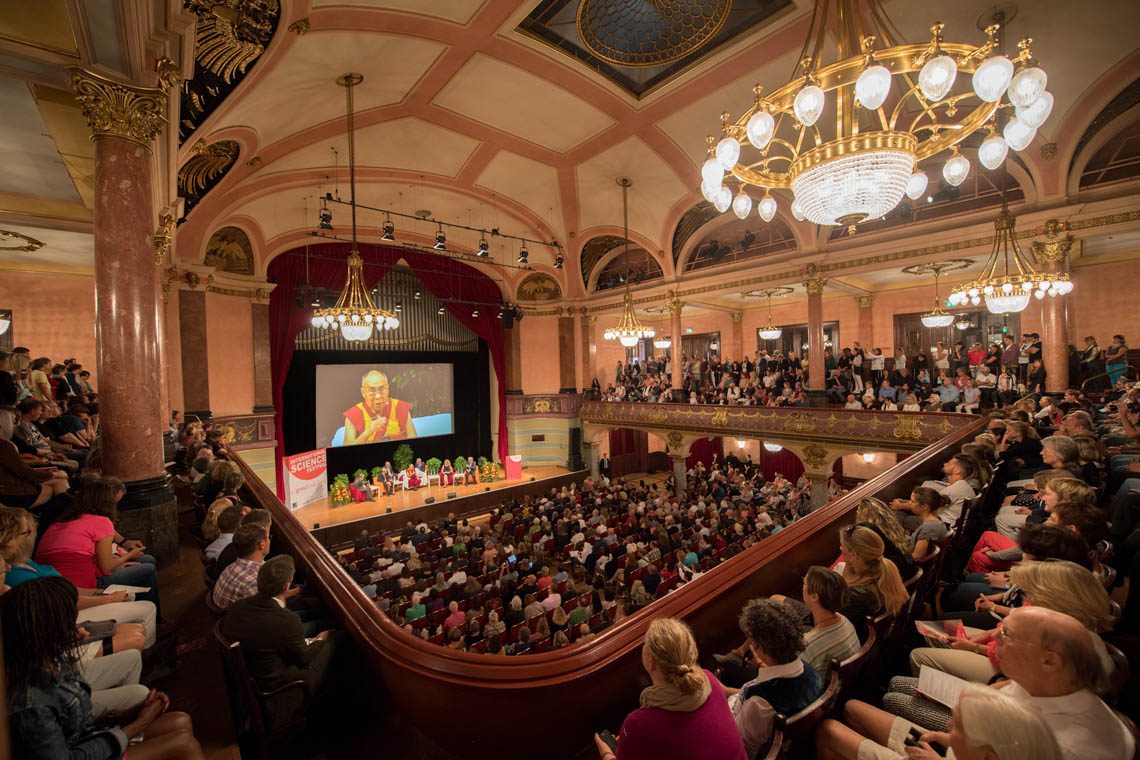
(354, 314)
(770, 331)
(629, 330)
(888, 105)
(937, 317)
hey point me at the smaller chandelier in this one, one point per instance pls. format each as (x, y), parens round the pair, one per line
(770, 331)
(1009, 279)
(937, 317)
(963, 323)
(355, 314)
(663, 342)
(628, 331)
(773, 447)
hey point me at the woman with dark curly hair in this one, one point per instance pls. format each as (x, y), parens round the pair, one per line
(785, 683)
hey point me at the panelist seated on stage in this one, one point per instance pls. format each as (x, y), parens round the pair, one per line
(411, 477)
(379, 417)
(387, 479)
(470, 471)
(446, 473)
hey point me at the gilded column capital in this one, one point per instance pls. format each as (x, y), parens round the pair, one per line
(1055, 249)
(118, 110)
(814, 285)
(865, 301)
(737, 317)
(589, 320)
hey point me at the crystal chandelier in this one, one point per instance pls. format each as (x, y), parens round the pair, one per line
(354, 313)
(770, 331)
(663, 342)
(775, 448)
(937, 317)
(1009, 278)
(629, 330)
(963, 323)
(894, 105)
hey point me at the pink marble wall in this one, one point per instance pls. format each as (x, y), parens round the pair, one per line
(52, 314)
(229, 336)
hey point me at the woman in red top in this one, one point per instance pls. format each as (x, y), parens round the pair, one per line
(684, 714)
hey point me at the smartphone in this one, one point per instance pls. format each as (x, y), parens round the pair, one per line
(914, 736)
(609, 739)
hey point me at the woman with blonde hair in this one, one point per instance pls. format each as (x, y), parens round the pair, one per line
(874, 514)
(684, 713)
(1057, 585)
(873, 581)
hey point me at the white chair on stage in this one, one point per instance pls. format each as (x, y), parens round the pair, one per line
(432, 476)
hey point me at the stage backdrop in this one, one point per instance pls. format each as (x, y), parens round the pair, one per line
(468, 388)
(447, 279)
(407, 400)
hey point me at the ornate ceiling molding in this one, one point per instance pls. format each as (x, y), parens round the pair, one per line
(9, 241)
(205, 169)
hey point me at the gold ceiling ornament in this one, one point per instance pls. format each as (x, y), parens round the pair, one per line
(118, 110)
(230, 33)
(354, 314)
(1054, 250)
(163, 237)
(865, 302)
(300, 26)
(208, 162)
(28, 245)
(888, 106)
(1009, 278)
(937, 317)
(169, 75)
(641, 34)
(629, 329)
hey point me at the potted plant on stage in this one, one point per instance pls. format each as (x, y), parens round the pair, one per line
(433, 466)
(488, 471)
(403, 456)
(339, 495)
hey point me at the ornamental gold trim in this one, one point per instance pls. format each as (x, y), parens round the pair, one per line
(29, 244)
(113, 109)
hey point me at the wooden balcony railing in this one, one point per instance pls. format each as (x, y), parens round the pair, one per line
(550, 704)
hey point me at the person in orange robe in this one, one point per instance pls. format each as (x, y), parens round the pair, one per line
(379, 417)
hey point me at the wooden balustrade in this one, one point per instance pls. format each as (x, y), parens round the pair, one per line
(549, 705)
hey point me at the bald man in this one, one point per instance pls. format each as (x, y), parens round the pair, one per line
(1052, 663)
(379, 417)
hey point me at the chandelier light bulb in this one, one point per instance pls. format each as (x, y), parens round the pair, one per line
(759, 129)
(727, 152)
(873, 86)
(797, 209)
(723, 199)
(1035, 114)
(767, 208)
(956, 169)
(775, 448)
(742, 204)
(709, 191)
(712, 173)
(808, 104)
(1018, 134)
(1027, 86)
(937, 77)
(992, 78)
(916, 185)
(993, 151)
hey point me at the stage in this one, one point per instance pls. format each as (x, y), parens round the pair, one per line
(319, 516)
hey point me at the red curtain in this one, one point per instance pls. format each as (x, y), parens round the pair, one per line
(783, 461)
(446, 279)
(702, 451)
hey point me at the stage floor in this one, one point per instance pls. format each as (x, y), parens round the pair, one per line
(320, 513)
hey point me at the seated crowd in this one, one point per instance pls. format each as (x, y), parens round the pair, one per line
(955, 379)
(1018, 534)
(79, 601)
(545, 573)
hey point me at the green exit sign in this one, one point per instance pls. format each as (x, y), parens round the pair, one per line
(688, 331)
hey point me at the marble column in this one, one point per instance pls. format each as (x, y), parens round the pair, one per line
(589, 347)
(1053, 255)
(737, 335)
(866, 323)
(262, 369)
(818, 490)
(124, 121)
(680, 473)
(566, 368)
(514, 361)
(592, 459)
(814, 286)
(677, 373)
(193, 340)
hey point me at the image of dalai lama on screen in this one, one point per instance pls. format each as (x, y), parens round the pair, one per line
(378, 417)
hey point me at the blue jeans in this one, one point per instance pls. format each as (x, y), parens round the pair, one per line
(143, 574)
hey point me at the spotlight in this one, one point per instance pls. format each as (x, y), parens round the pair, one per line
(325, 216)
(440, 241)
(484, 249)
(441, 311)
(417, 295)
(524, 255)
(558, 261)
(475, 312)
(388, 232)
(399, 306)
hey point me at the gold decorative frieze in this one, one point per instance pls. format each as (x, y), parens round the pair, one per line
(118, 110)
(893, 431)
(815, 456)
(560, 405)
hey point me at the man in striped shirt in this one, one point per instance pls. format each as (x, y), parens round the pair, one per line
(832, 636)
